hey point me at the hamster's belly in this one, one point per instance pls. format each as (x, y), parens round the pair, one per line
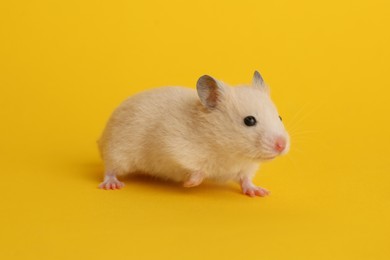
(223, 169)
(161, 165)
(223, 173)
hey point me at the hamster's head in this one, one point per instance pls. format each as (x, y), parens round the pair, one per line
(243, 120)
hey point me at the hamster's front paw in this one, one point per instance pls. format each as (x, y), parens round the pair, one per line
(255, 191)
(248, 188)
(111, 183)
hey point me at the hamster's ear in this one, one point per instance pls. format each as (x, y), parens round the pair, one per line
(210, 91)
(259, 83)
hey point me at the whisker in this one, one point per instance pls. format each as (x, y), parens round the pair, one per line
(297, 150)
(296, 121)
(300, 110)
(303, 132)
(316, 141)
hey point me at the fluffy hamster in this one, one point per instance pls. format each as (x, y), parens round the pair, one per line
(217, 132)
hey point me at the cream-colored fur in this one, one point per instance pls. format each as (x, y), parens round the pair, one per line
(175, 132)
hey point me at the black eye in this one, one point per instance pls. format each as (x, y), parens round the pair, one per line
(280, 118)
(250, 121)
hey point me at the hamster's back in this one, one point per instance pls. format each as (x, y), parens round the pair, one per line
(136, 130)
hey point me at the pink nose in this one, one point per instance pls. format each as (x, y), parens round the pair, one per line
(280, 144)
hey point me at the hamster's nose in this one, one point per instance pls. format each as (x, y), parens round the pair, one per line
(280, 144)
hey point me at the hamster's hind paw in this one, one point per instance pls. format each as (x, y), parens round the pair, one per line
(195, 179)
(111, 183)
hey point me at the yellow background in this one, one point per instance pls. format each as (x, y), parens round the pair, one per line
(65, 65)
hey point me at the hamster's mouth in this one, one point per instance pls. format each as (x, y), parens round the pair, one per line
(268, 158)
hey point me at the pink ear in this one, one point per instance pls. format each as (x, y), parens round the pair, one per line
(259, 83)
(209, 91)
(257, 79)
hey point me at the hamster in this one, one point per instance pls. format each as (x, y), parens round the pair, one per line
(217, 132)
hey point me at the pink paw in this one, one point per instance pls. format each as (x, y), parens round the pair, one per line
(194, 180)
(111, 183)
(254, 191)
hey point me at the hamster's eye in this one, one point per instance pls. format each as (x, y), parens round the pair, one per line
(250, 121)
(280, 118)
